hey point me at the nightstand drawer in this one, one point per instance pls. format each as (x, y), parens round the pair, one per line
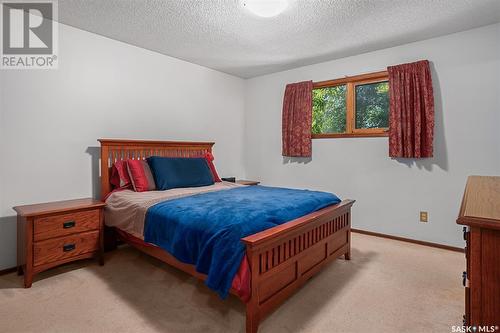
(56, 249)
(65, 224)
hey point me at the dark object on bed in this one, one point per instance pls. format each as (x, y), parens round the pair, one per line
(281, 259)
(229, 179)
(173, 172)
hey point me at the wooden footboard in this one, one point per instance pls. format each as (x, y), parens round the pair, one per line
(285, 257)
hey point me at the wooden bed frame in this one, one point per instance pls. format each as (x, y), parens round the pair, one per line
(281, 259)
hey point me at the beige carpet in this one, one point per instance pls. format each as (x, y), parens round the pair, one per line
(388, 286)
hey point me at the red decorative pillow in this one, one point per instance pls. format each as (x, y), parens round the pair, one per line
(140, 175)
(210, 158)
(119, 175)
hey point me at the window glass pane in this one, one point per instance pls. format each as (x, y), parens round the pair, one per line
(372, 105)
(329, 110)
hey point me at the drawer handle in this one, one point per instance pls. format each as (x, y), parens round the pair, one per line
(69, 224)
(464, 278)
(68, 247)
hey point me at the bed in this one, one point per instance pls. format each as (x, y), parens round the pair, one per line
(279, 260)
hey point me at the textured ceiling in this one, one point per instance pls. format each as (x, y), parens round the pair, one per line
(222, 35)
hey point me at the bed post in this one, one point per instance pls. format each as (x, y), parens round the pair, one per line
(252, 307)
(105, 186)
(110, 239)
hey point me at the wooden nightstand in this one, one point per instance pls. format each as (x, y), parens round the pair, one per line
(247, 182)
(55, 233)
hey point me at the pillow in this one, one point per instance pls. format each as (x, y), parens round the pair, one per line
(210, 158)
(119, 175)
(140, 175)
(176, 172)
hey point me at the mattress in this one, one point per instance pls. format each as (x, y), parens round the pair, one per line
(127, 209)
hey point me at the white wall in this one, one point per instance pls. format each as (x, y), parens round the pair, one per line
(50, 120)
(390, 193)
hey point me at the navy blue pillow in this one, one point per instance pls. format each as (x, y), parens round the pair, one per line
(175, 172)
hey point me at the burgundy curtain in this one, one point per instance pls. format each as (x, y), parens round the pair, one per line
(297, 118)
(411, 115)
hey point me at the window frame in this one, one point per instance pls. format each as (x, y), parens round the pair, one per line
(351, 82)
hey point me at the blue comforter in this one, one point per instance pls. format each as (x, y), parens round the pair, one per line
(205, 229)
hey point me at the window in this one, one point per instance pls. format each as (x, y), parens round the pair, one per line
(351, 107)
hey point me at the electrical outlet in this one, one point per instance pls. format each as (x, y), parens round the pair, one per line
(424, 216)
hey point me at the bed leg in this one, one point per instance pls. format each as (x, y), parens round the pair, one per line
(252, 325)
(347, 255)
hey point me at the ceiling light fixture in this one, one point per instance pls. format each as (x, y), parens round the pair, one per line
(265, 8)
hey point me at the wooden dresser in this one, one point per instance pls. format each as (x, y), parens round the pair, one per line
(55, 233)
(480, 213)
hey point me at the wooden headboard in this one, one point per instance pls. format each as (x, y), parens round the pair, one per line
(115, 150)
